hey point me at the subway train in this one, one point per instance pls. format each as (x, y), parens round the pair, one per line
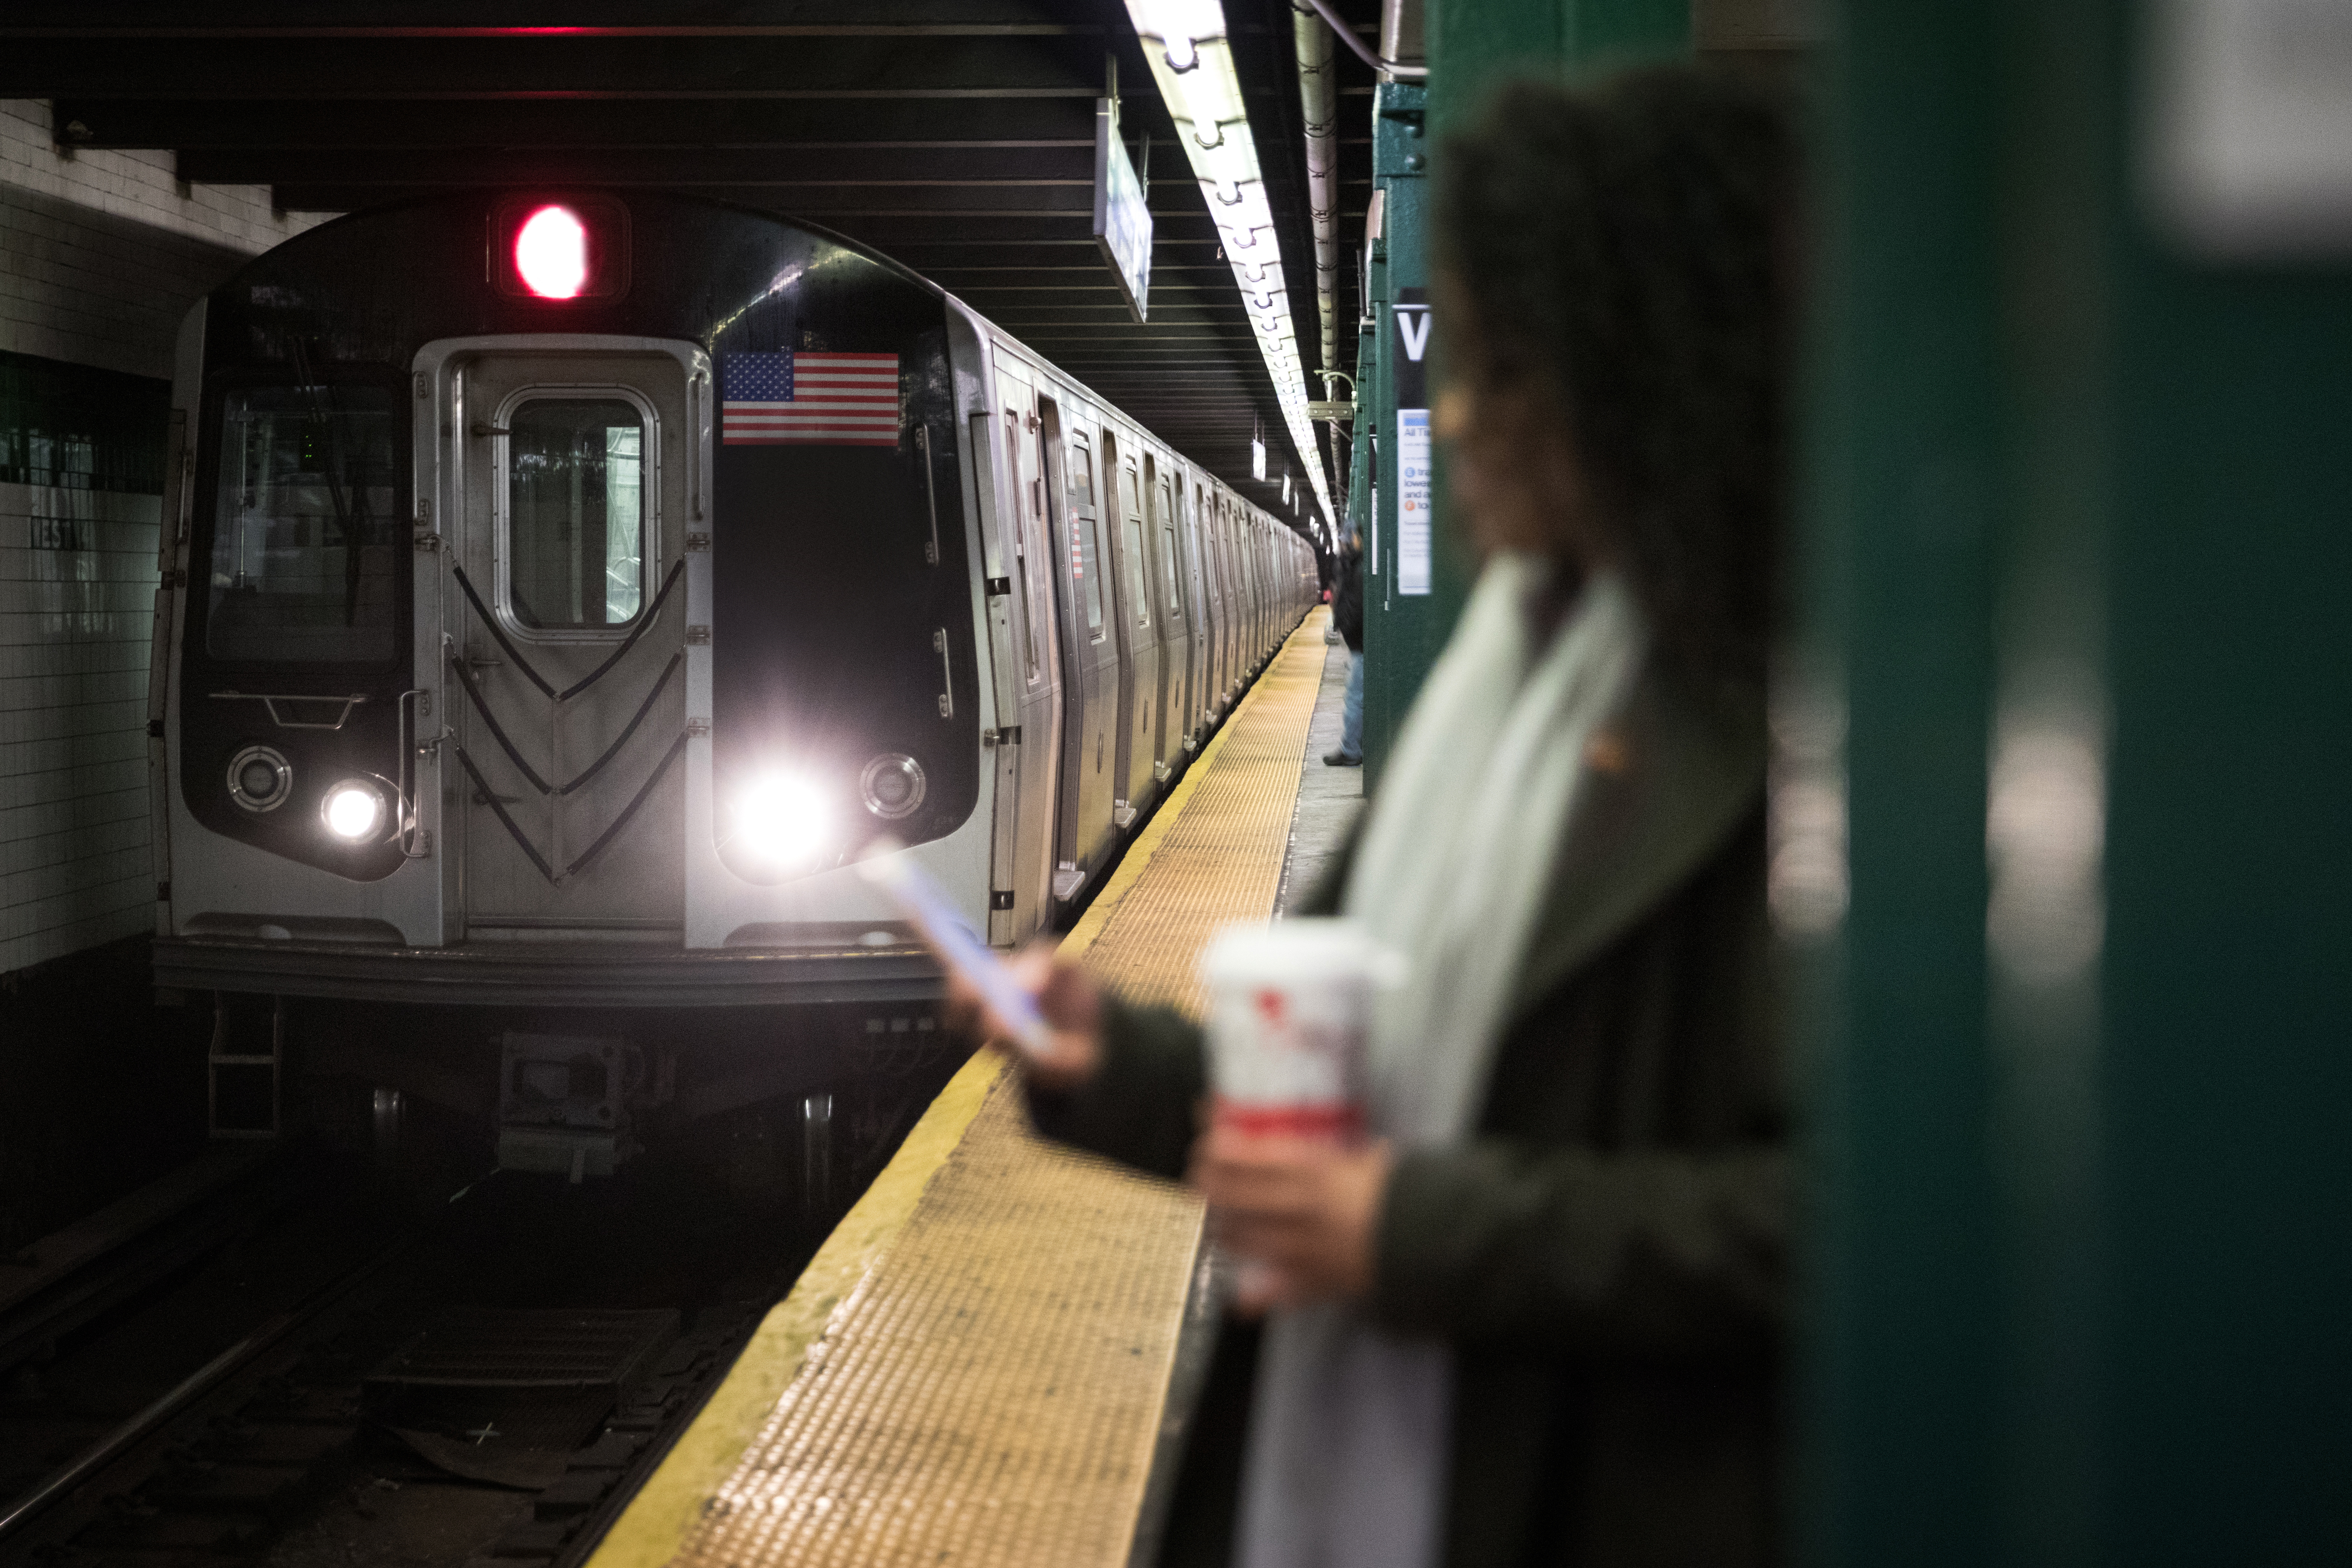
(563, 588)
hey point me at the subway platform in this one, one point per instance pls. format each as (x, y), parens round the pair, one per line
(991, 1360)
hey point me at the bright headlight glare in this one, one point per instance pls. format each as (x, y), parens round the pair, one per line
(781, 818)
(353, 811)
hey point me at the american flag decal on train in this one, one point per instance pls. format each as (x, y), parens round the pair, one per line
(814, 399)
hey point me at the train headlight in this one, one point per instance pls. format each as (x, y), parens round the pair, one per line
(893, 785)
(355, 811)
(781, 818)
(261, 778)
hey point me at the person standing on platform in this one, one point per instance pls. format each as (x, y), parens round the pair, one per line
(1537, 1319)
(1348, 620)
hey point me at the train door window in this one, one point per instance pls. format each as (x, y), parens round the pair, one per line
(1026, 512)
(1138, 589)
(1085, 550)
(305, 527)
(575, 513)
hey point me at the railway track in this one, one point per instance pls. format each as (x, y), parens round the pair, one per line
(355, 1369)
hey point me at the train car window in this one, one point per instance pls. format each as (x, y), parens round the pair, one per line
(1082, 473)
(575, 513)
(1085, 550)
(1020, 539)
(1138, 589)
(1138, 575)
(1168, 528)
(306, 525)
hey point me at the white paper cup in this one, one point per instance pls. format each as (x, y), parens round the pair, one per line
(1290, 1010)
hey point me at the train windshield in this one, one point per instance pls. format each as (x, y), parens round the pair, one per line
(305, 528)
(575, 513)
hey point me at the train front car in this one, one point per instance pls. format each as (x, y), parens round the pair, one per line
(569, 586)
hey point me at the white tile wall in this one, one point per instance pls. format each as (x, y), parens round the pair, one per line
(140, 187)
(74, 864)
(102, 253)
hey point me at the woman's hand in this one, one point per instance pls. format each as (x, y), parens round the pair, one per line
(1307, 1211)
(1072, 1008)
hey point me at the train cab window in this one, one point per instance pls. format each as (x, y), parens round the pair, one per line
(305, 527)
(575, 514)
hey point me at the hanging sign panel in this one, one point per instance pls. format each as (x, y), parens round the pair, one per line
(1412, 547)
(1122, 217)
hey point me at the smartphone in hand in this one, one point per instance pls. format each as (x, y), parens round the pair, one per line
(927, 908)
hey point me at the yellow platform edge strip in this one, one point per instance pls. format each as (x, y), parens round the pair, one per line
(1163, 821)
(654, 1528)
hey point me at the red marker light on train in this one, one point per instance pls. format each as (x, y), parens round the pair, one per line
(550, 253)
(567, 249)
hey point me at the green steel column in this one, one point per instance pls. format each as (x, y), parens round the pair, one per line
(1404, 623)
(2075, 526)
(1471, 44)
(1905, 489)
(2227, 1080)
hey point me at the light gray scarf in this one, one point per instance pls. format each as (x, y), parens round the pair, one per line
(1348, 1435)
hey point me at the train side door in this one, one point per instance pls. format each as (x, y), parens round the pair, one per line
(1030, 577)
(1175, 626)
(563, 670)
(1213, 610)
(1090, 657)
(1117, 563)
(1142, 636)
(1236, 612)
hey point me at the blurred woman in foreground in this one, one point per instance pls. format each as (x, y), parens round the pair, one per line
(1538, 1319)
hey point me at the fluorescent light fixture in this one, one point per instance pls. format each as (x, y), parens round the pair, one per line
(1184, 40)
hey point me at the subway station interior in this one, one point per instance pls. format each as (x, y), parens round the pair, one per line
(1134, 783)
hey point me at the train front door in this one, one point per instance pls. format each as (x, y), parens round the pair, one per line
(573, 477)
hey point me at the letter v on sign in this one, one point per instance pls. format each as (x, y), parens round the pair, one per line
(1412, 326)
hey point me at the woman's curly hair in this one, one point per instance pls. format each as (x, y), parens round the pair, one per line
(1626, 246)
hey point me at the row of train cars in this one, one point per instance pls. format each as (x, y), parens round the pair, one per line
(564, 592)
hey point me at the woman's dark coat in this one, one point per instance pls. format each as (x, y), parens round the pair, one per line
(1607, 1256)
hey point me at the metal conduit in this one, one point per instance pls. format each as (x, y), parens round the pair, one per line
(1319, 104)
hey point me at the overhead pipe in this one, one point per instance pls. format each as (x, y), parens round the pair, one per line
(1395, 24)
(1319, 104)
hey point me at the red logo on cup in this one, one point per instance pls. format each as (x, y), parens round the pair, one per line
(1269, 1004)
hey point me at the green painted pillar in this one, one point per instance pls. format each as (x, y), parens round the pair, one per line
(1905, 495)
(2074, 532)
(1404, 626)
(1410, 608)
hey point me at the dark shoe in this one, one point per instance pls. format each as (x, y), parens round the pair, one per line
(1341, 759)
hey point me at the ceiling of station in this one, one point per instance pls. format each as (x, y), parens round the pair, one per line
(954, 135)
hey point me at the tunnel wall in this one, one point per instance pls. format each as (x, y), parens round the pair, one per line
(102, 253)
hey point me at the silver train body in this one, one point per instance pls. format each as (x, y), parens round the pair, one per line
(522, 652)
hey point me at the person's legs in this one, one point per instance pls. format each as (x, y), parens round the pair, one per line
(1351, 718)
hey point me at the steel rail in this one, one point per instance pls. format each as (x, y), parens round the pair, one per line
(186, 1391)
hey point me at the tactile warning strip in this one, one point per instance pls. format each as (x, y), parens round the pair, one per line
(973, 1368)
(991, 1394)
(1214, 854)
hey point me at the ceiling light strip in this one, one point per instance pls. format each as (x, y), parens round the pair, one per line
(1184, 40)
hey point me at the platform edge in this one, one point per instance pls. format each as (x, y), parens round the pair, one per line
(1138, 855)
(656, 1525)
